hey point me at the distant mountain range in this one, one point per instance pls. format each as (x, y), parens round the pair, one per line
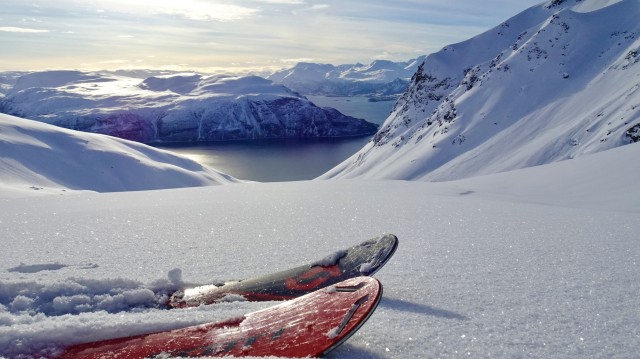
(172, 108)
(557, 81)
(380, 79)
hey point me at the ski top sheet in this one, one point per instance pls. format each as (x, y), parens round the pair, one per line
(363, 259)
(309, 326)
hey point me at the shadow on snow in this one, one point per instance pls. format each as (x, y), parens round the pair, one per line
(405, 306)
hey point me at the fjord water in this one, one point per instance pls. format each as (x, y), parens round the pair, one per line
(288, 159)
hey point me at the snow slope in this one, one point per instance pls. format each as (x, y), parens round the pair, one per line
(379, 78)
(174, 107)
(36, 157)
(559, 80)
(540, 262)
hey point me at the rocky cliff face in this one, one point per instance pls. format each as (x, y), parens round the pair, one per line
(557, 81)
(176, 108)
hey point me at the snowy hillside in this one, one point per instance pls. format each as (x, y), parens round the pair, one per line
(174, 108)
(380, 78)
(555, 82)
(40, 158)
(510, 265)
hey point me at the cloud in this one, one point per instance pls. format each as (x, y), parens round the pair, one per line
(116, 61)
(286, 2)
(301, 59)
(311, 9)
(191, 9)
(21, 29)
(219, 34)
(204, 11)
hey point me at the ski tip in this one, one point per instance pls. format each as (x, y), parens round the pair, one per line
(366, 293)
(378, 252)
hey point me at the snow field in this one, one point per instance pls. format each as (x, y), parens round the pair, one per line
(476, 274)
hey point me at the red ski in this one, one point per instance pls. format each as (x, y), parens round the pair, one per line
(311, 325)
(363, 259)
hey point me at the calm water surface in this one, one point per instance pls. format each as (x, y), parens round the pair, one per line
(291, 159)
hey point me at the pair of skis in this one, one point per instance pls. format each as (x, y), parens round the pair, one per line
(326, 302)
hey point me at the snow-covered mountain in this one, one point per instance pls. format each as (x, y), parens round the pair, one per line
(41, 158)
(174, 107)
(379, 78)
(557, 81)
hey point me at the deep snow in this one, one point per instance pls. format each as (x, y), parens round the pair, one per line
(541, 262)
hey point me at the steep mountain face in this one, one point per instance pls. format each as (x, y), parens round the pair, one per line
(174, 108)
(559, 80)
(379, 78)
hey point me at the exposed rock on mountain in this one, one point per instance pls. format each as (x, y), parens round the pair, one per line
(557, 81)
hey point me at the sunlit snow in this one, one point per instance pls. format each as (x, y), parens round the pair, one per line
(557, 81)
(541, 262)
(538, 262)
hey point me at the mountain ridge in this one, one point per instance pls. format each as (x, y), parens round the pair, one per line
(184, 107)
(554, 82)
(379, 78)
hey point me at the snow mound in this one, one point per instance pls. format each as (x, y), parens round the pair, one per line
(37, 157)
(78, 305)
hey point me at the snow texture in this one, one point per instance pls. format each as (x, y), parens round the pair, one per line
(172, 108)
(558, 81)
(541, 262)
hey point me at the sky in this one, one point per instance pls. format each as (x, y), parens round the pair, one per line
(234, 36)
